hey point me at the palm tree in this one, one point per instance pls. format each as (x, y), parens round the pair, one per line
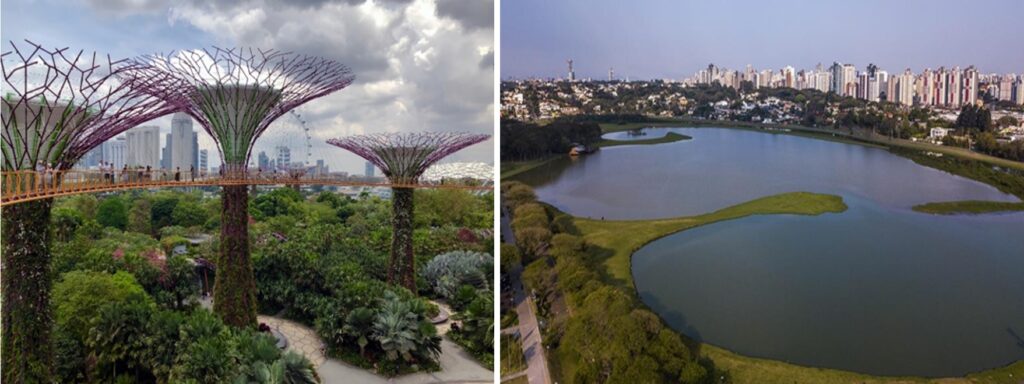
(359, 325)
(396, 334)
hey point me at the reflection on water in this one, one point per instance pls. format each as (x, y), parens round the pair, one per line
(877, 289)
(722, 167)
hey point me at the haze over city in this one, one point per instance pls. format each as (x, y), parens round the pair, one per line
(667, 39)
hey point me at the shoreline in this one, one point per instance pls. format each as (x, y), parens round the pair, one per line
(754, 369)
(612, 235)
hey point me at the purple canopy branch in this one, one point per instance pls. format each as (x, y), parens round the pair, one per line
(235, 94)
(403, 157)
(58, 105)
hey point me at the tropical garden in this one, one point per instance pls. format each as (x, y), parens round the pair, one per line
(132, 273)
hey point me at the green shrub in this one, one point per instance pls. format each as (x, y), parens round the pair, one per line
(118, 336)
(475, 331)
(112, 212)
(78, 297)
(465, 295)
(446, 273)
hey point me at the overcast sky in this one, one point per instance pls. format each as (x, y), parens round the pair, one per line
(420, 65)
(674, 39)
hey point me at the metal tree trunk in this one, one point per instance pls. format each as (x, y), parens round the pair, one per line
(234, 290)
(403, 266)
(27, 318)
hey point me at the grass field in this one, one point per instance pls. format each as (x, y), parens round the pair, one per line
(617, 240)
(668, 138)
(512, 359)
(518, 380)
(973, 207)
(753, 370)
(512, 168)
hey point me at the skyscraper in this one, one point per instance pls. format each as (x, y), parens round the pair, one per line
(369, 169)
(572, 74)
(143, 146)
(114, 151)
(183, 142)
(165, 159)
(195, 150)
(284, 156)
(263, 161)
(204, 160)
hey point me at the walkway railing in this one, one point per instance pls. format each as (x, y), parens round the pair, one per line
(22, 186)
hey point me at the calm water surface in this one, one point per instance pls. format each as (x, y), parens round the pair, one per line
(877, 289)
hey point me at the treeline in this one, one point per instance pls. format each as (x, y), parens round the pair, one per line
(610, 336)
(524, 141)
(986, 143)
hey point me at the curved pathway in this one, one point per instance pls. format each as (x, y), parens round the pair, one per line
(457, 366)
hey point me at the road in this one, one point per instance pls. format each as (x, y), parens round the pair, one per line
(529, 331)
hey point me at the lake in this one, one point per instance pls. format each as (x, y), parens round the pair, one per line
(877, 289)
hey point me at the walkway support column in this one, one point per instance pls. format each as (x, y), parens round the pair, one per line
(27, 318)
(403, 158)
(234, 287)
(57, 105)
(235, 94)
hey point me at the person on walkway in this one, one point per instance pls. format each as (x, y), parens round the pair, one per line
(149, 173)
(192, 171)
(177, 174)
(124, 173)
(40, 168)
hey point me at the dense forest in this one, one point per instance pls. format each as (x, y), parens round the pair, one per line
(130, 271)
(525, 141)
(597, 328)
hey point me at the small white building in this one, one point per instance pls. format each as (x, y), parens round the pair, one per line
(938, 133)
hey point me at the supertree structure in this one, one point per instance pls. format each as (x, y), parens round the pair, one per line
(235, 94)
(57, 105)
(403, 157)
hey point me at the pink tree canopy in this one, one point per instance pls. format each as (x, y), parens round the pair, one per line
(403, 157)
(235, 94)
(58, 104)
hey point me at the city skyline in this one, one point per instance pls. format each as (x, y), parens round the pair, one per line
(423, 65)
(675, 39)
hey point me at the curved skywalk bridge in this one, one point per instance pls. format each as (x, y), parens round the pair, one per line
(22, 186)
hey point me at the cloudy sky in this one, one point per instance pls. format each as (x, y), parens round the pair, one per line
(674, 39)
(420, 65)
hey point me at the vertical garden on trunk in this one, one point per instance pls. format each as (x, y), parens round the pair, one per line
(403, 157)
(235, 94)
(57, 105)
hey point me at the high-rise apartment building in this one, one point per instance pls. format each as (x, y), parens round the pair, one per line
(204, 160)
(114, 151)
(369, 169)
(183, 142)
(143, 146)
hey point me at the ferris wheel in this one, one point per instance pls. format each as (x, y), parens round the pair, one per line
(303, 143)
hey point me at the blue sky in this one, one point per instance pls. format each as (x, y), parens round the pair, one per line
(420, 65)
(658, 39)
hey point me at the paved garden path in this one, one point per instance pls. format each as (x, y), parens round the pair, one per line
(457, 366)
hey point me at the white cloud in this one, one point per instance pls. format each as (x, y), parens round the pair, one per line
(417, 67)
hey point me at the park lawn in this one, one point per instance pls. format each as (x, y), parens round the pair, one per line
(512, 359)
(615, 127)
(614, 241)
(968, 207)
(753, 370)
(668, 138)
(512, 168)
